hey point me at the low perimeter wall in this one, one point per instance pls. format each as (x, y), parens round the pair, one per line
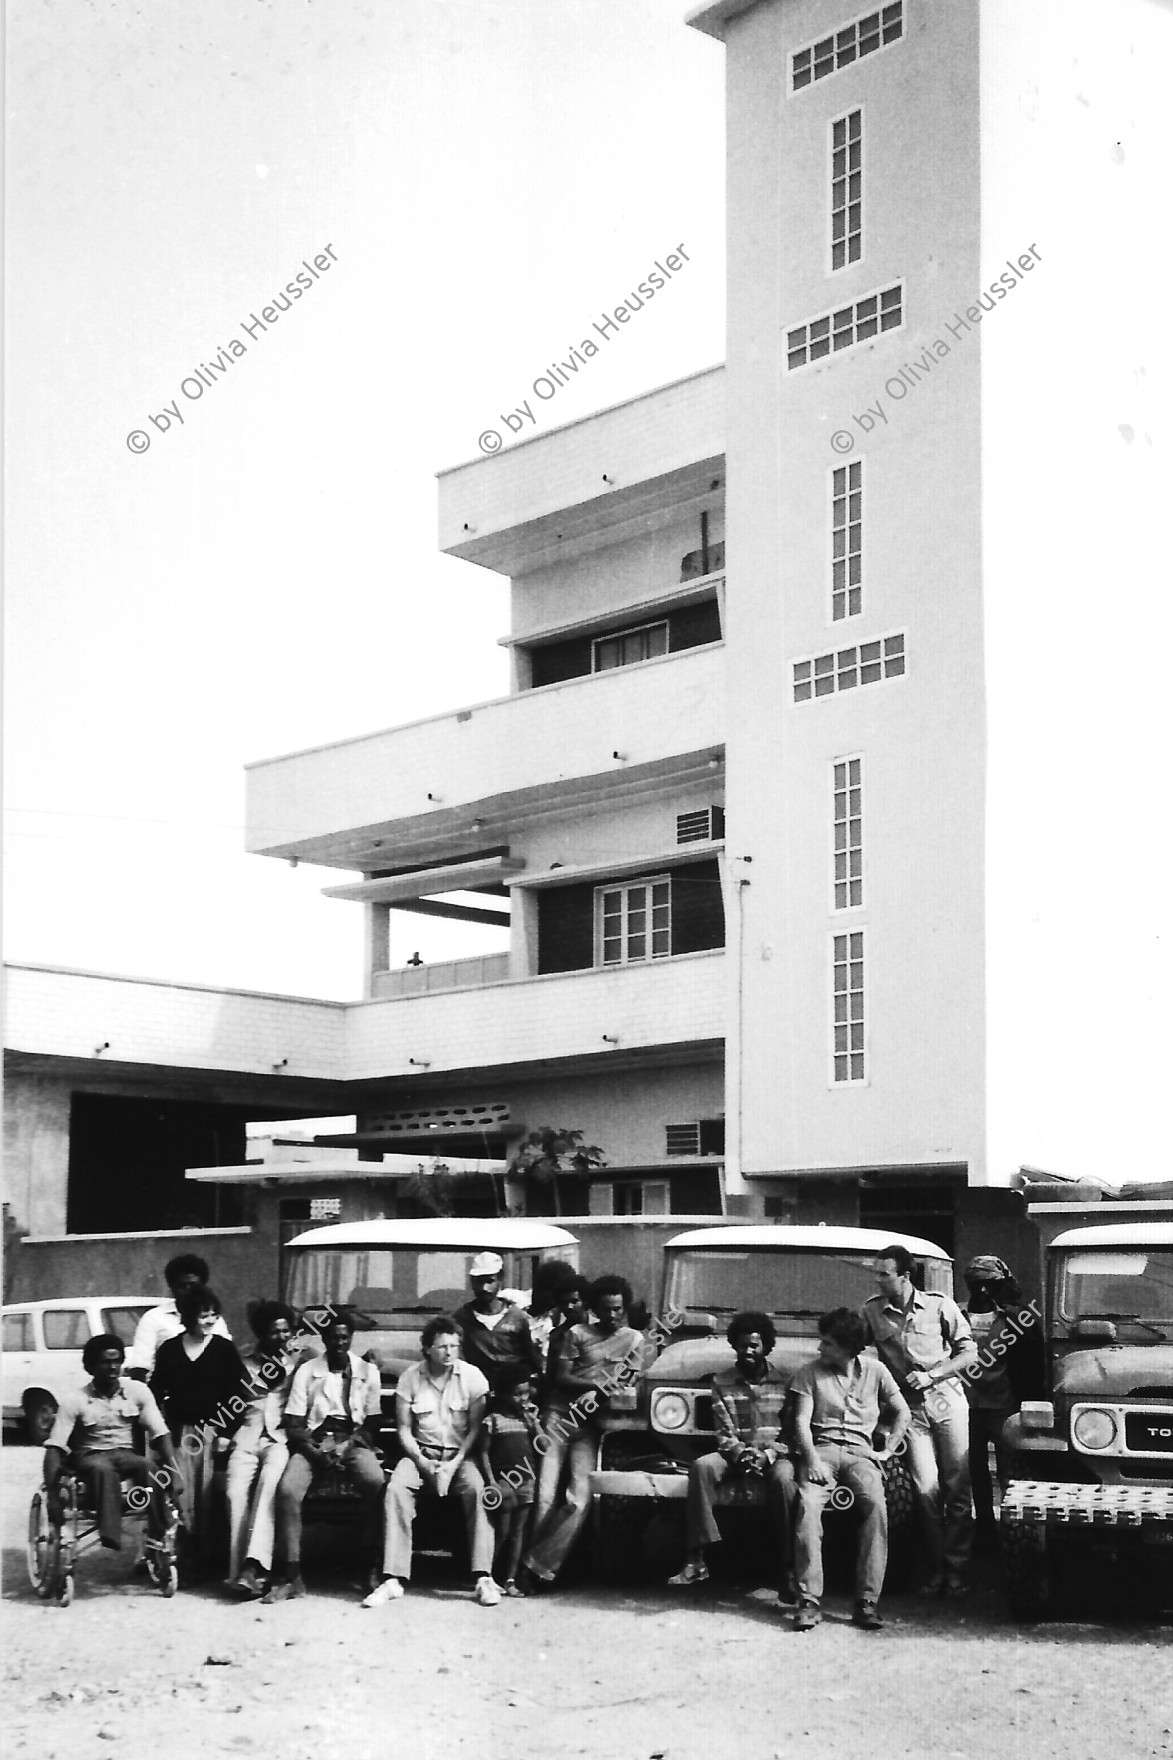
(243, 1265)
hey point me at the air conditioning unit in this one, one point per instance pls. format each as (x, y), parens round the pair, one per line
(704, 1136)
(701, 825)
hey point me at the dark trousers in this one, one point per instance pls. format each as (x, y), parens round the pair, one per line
(358, 1464)
(986, 1427)
(103, 1470)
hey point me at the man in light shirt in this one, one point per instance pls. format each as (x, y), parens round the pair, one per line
(439, 1405)
(94, 1433)
(840, 1401)
(187, 1271)
(331, 1424)
(926, 1341)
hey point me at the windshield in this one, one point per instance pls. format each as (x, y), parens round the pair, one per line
(805, 1283)
(1117, 1283)
(386, 1283)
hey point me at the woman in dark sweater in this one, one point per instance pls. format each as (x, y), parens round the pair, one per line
(199, 1382)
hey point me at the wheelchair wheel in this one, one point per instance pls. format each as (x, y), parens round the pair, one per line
(44, 1545)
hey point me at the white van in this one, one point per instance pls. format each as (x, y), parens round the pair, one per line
(41, 1350)
(392, 1277)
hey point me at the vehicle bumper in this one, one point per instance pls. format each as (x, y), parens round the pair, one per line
(1036, 1501)
(613, 1482)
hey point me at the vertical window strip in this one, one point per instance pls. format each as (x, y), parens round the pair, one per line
(847, 189)
(848, 833)
(848, 1006)
(847, 540)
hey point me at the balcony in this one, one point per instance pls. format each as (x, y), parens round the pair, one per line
(591, 482)
(618, 1013)
(469, 777)
(451, 974)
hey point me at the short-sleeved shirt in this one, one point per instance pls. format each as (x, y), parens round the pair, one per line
(319, 1392)
(609, 1359)
(927, 1333)
(440, 1409)
(103, 1423)
(845, 1405)
(748, 1414)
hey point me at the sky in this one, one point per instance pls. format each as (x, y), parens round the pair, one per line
(490, 176)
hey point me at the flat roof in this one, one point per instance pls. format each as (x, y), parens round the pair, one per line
(1118, 1234)
(812, 1236)
(456, 1232)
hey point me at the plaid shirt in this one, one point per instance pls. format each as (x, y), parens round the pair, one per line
(748, 1414)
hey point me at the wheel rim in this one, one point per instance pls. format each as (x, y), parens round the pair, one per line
(38, 1541)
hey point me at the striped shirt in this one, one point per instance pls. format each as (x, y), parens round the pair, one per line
(747, 1414)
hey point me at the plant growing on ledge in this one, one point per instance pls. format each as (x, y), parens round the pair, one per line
(548, 1152)
(436, 1191)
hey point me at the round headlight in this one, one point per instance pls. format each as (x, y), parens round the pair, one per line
(670, 1411)
(1095, 1429)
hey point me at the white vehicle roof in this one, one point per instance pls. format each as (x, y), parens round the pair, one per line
(818, 1236)
(86, 1302)
(1118, 1234)
(456, 1233)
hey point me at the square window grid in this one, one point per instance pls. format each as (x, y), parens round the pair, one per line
(847, 190)
(847, 540)
(635, 922)
(848, 834)
(846, 668)
(875, 30)
(841, 329)
(848, 1007)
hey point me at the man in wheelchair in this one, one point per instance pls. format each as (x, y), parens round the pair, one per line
(94, 1436)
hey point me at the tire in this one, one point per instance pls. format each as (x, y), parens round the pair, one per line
(43, 1545)
(619, 1524)
(901, 1501)
(1026, 1570)
(40, 1412)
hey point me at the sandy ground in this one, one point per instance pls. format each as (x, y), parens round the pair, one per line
(652, 1674)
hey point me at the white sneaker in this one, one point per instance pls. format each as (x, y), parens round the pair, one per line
(391, 1589)
(486, 1593)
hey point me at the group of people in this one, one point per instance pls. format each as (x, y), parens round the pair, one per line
(503, 1413)
(939, 1390)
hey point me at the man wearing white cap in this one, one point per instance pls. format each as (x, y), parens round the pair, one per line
(494, 1332)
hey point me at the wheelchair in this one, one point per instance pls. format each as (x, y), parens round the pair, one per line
(54, 1546)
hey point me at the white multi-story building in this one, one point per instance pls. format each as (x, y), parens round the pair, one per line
(814, 826)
